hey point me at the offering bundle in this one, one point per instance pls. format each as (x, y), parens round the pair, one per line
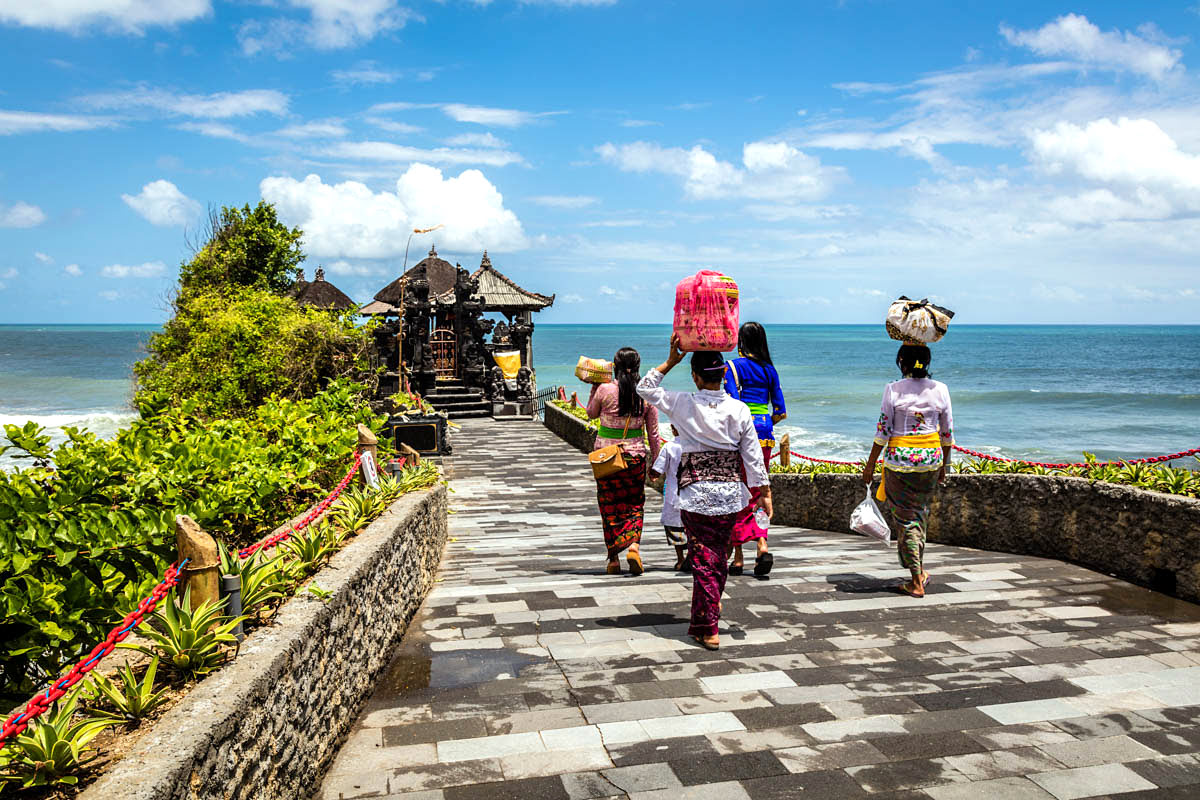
(706, 312)
(917, 321)
(593, 370)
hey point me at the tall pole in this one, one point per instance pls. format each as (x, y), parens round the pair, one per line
(403, 283)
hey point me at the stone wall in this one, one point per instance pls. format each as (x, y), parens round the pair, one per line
(570, 429)
(1147, 538)
(269, 723)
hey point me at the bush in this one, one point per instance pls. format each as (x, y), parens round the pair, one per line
(228, 352)
(244, 248)
(93, 534)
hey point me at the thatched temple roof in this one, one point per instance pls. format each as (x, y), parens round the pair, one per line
(320, 293)
(499, 292)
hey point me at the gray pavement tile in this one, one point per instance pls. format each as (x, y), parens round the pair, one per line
(926, 745)
(1003, 763)
(900, 775)
(687, 747)
(641, 777)
(1171, 771)
(1090, 752)
(958, 719)
(826, 784)
(1071, 784)
(821, 757)
(1106, 725)
(1015, 788)
(442, 776)
(736, 766)
(419, 732)
(1171, 742)
(528, 789)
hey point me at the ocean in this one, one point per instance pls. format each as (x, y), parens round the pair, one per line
(1036, 392)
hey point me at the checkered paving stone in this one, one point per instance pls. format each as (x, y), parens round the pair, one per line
(529, 673)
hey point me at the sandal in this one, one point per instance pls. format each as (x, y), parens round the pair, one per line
(706, 644)
(763, 564)
(635, 564)
(613, 568)
(913, 588)
(679, 565)
(736, 569)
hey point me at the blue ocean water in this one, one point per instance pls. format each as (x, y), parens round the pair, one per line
(1047, 392)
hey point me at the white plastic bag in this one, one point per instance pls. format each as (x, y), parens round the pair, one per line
(867, 520)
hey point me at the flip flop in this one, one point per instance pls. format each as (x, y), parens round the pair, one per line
(635, 564)
(763, 564)
(912, 589)
(613, 568)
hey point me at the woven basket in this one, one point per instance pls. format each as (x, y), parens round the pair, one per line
(593, 370)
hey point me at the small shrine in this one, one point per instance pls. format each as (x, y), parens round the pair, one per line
(319, 293)
(438, 339)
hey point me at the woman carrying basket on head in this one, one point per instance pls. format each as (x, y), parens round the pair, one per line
(717, 436)
(753, 380)
(914, 434)
(632, 424)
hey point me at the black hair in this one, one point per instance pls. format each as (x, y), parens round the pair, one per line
(913, 360)
(752, 342)
(708, 366)
(627, 365)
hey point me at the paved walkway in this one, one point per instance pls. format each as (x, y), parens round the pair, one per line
(530, 674)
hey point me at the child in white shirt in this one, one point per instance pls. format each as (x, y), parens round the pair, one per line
(667, 467)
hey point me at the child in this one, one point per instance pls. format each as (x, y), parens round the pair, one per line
(666, 466)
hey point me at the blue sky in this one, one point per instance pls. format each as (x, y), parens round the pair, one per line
(1020, 162)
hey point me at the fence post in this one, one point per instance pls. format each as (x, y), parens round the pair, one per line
(203, 572)
(367, 443)
(574, 400)
(785, 450)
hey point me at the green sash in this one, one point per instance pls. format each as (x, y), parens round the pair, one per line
(617, 433)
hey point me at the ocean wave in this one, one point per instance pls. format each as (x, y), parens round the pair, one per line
(91, 420)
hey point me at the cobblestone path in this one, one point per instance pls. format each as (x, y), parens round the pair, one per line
(531, 674)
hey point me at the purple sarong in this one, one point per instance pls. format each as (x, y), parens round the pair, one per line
(710, 553)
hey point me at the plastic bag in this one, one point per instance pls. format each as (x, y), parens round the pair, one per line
(868, 520)
(917, 321)
(706, 312)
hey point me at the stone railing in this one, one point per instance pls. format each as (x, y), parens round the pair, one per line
(1143, 537)
(268, 724)
(570, 429)
(1147, 538)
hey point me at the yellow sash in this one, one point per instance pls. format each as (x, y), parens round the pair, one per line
(908, 440)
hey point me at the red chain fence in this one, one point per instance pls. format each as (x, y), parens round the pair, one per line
(16, 724)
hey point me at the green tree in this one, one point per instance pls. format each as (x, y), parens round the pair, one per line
(245, 248)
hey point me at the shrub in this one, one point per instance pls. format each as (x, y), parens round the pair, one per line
(243, 248)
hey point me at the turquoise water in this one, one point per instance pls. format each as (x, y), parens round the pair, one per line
(1029, 392)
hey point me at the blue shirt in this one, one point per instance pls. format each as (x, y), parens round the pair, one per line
(757, 385)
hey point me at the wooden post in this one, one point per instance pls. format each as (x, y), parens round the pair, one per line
(785, 450)
(367, 443)
(406, 450)
(574, 400)
(203, 571)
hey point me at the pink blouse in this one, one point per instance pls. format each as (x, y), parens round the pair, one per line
(602, 403)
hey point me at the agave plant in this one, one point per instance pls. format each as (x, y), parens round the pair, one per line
(54, 747)
(191, 640)
(305, 550)
(133, 700)
(263, 577)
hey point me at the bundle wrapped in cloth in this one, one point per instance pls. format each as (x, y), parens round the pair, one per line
(706, 312)
(917, 321)
(593, 370)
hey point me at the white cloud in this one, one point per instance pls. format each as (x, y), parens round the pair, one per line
(9, 273)
(348, 220)
(1074, 36)
(331, 25)
(14, 122)
(110, 295)
(500, 117)
(73, 270)
(638, 123)
(161, 203)
(43, 258)
(572, 298)
(316, 129)
(129, 16)
(568, 3)
(151, 269)
(215, 130)
(1057, 294)
(865, 293)
(21, 215)
(476, 140)
(219, 105)
(342, 267)
(389, 152)
(394, 127)
(564, 201)
(771, 170)
(366, 73)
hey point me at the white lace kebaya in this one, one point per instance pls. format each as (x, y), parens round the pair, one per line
(709, 419)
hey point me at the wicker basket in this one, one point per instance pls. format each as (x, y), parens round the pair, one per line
(593, 370)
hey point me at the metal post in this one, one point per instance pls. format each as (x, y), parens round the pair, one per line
(231, 590)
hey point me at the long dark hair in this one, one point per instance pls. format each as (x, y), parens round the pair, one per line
(913, 360)
(627, 366)
(752, 343)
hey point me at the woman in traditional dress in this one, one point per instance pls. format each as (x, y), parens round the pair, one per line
(717, 436)
(752, 379)
(627, 421)
(915, 434)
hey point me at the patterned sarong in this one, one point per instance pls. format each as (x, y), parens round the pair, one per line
(908, 498)
(622, 498)
(709, 537)
(746, 529)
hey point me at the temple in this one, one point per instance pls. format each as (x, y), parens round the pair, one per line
(438, 338)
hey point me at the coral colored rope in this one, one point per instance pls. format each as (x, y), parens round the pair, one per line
(1152, 460)
(16, 724)
(19, 721)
